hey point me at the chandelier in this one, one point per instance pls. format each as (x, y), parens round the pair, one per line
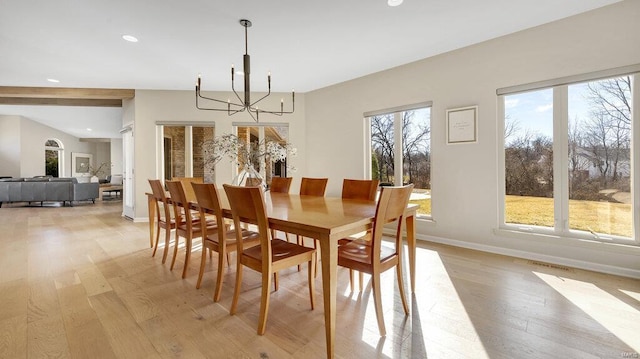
(244, 102)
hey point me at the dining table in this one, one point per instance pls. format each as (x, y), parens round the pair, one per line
(326, 219)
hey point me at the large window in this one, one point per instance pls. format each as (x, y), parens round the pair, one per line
(401, 151)
(183, 152)
(567, 159)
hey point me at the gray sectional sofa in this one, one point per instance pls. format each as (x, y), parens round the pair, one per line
(47, 189)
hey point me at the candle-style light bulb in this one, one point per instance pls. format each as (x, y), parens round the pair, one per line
(199, 79)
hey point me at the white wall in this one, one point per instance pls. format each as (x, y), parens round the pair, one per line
(26, 153)
(464, 177)
(10, 146)
(116, 156)
(178, 106)
(102, 155)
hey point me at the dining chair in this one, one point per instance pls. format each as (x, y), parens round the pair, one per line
(188, 225)
(311, 187)
(163, 216)
(361, 190)
(280, 184)
(223, 240)
(271, 255)
(374, 258)
(364, 190)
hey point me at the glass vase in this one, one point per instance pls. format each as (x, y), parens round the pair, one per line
(249, 176)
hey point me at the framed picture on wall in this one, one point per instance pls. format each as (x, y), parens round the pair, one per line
(80, 163)
(462, 125)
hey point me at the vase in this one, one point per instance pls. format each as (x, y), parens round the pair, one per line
(249, 176)
(94, 179)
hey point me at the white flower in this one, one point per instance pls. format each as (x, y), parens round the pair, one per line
(241, 152)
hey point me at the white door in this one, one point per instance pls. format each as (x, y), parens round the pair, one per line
(128, 204)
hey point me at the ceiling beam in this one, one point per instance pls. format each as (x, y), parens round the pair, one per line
(64, 96)
(60, 102)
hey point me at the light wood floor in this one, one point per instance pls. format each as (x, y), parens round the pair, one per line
(80, 282)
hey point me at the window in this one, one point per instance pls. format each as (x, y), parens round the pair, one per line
(183, 153)
(259, 135)
(400, 151)
(52, 158)
(567, 159)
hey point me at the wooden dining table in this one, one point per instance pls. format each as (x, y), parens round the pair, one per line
(326, 219)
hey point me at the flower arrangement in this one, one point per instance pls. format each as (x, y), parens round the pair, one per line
(247, 154)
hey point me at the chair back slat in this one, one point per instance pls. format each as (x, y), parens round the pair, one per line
(247, 206)
(364, 190)
(280, 184)
(313, 186)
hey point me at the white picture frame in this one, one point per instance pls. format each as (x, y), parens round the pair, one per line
(462, 125)
(80, 163)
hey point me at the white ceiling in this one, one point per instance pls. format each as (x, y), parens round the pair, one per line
(305, 44)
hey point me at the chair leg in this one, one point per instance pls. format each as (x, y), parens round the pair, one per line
(275, 281)
(377, 301)
(236, 291)
(187, 256)
(361, 280)
(167, 240)
(203, 260)
(299, 241)
(401, 288)
(264, 302)
(228, 260)
(312, 270)
(155, 247)
(175, 250)
(218, 290)
(351, 279)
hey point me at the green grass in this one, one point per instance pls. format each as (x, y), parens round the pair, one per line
(599, 217)
(425, 206)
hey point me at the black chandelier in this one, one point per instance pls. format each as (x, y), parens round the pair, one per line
(244, 103)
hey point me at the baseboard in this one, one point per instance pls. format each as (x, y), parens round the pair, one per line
(596, 267)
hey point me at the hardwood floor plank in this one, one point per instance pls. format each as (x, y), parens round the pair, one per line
(47, 338)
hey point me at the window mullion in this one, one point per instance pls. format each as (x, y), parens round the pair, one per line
(397, 148)
(501, 158)
(561, 158)
(635, 160)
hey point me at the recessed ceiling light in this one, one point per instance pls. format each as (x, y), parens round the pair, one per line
(53, 80)
(394, 2)
(130, 38)
(89, 130)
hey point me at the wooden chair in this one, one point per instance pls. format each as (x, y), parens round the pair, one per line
(187, 226)
(372, 257)
(186, 185)
(223, 240)
(313, 186)
(361, 190)
(271, 256)
(364, 190)
(163, 219)
(280, 184)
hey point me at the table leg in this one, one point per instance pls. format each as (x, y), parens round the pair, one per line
(329, 260)
(151, 202)
(411, 244)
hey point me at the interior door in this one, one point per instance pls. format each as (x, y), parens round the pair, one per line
(128, 203)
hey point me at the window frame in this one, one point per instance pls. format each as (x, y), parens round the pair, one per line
(561, 158)
(397, 128)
